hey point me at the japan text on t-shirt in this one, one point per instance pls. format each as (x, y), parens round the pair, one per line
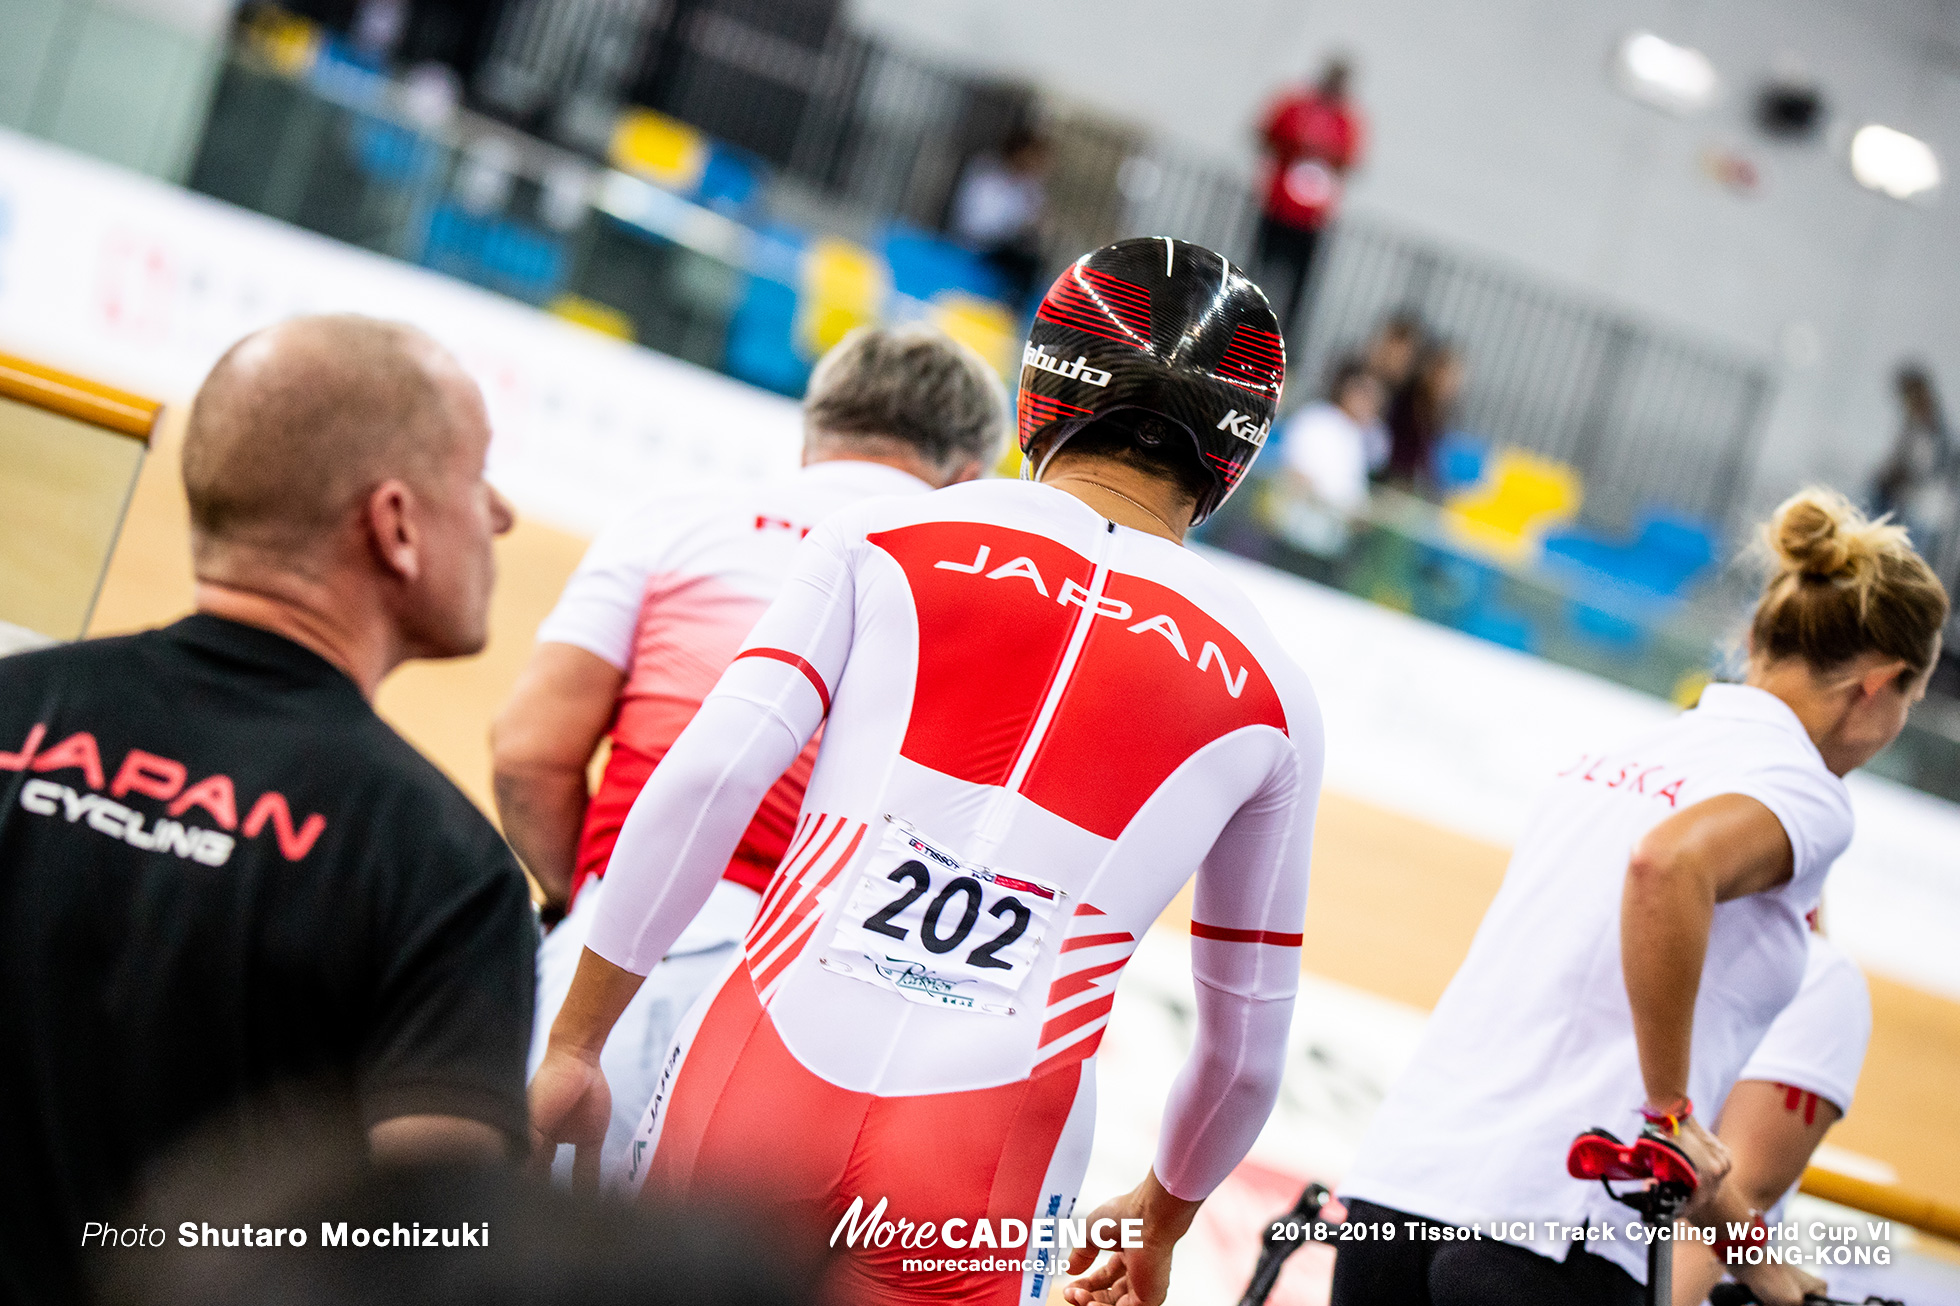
(228, 888)
(1468, 1135)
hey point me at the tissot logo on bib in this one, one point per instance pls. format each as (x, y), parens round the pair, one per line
(1037, 356)
(1242, 425)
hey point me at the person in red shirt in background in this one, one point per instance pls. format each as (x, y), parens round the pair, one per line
(1311, 137)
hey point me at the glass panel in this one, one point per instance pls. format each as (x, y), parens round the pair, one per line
(64, 485)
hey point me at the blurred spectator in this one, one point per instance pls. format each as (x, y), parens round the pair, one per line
(1311, 136)
(1920, 482)
(378, 27)
(1420, 413)
(222, 875)
(1392, 351)
(997, 211)
(1333, 444)
(1327, 451)
(529, 1245)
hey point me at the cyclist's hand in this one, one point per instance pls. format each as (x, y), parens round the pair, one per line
(1711, 1161)
(1780, 1285)
(1132, 1276)
(570, 1103)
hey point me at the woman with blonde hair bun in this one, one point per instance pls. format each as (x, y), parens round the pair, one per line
(1649, 929)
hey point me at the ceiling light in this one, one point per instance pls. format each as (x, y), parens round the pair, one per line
(1891, 161)
(1673, 77)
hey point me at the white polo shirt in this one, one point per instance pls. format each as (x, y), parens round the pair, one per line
(1817, 1043)
(1533, 1040)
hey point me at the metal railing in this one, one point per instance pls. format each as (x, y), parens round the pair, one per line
(1648, 416)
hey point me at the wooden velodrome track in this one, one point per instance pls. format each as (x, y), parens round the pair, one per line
(1394, 901)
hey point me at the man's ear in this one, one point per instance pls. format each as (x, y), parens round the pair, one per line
(391, 531)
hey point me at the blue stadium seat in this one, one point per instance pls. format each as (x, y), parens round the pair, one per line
(390, 153)
(494, 252)
(730, 182)
(760, 347)
(1667, 554)
(761, 342)
(1466, 592)
(351, 76)
(1646, 578)
(923, 265)
(1459, 460)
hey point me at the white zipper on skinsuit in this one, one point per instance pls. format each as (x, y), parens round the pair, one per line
(994, 827)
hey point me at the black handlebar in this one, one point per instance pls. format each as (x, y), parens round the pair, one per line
(1272, 1256)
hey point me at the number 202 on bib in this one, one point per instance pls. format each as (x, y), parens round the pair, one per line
(939, 930)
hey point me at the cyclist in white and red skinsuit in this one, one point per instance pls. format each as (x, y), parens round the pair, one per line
(647, 625)
(1041, 716)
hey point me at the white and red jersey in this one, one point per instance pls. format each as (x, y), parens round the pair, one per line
(1037, 726)
(667, 596)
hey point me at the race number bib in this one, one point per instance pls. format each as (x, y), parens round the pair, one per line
(939, 930)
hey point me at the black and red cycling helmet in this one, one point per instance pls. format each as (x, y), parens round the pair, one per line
(1161, 326)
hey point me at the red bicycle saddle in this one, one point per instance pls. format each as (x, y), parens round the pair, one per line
(1597, 1154)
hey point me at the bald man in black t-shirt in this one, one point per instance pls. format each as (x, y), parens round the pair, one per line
(231, 897)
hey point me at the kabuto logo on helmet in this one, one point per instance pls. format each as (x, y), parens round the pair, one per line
(1159, 327)
(1038, 356)
(1240, 424)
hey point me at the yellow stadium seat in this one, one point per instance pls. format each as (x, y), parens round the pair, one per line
(593, 316)
(844, 286)
(982, 325)
(660, 149)
(289, 44)
(1506, 514)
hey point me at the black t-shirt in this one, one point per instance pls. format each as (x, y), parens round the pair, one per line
(229, 894)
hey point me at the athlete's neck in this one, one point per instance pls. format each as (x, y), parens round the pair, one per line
(1844, 711)
(887, 452)
(1126, 495)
